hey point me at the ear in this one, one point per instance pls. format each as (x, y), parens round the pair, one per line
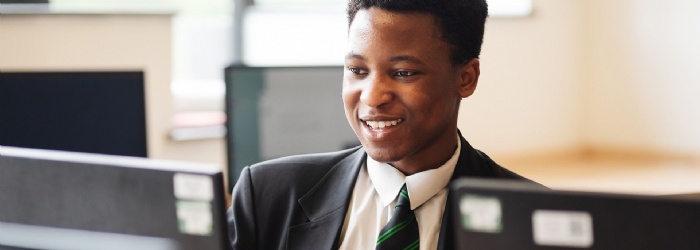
(468, 77)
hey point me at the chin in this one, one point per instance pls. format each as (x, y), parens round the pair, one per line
(382, 155)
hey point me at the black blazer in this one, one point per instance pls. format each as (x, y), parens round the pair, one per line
(300, 202)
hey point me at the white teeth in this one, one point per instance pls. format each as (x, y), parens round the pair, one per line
(383, 124)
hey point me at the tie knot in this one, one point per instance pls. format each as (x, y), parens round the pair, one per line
(401, 232)
(403, 200)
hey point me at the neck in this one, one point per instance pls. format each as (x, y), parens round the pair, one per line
(433, 158)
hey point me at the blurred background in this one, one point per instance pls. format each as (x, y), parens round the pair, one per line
(576, 94)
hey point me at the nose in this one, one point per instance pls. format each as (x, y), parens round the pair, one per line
(376, 91)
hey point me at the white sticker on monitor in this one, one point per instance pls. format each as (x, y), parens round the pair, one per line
(562, 228)
(193, 187)
(481, 213)
(194, 217)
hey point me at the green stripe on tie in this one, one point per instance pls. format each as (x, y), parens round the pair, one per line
(413, 245)
(404, 193)
(394, 230)
(401, 232)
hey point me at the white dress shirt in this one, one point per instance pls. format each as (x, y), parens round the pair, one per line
(374, 196)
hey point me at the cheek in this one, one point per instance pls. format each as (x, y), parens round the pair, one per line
(431, 101)
(418, 97)
(350, 98)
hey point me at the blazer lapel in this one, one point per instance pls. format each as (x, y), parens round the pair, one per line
(446, 240)
(326, 205)
(468, 164)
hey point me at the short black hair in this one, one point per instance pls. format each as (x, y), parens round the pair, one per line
(461, 22)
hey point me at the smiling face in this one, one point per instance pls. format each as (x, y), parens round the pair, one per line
(400, 90)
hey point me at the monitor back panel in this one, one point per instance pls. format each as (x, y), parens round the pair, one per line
(512, 215)
(91, 112)
(281, 111)
(113, 194)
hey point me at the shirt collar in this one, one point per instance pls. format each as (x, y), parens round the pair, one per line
(422, 186)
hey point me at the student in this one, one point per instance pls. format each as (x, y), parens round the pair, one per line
(408, 66)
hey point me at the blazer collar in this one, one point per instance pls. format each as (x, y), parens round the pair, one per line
(326, 206)
(470, 163)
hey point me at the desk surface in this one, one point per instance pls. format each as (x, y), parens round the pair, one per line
(616, 174)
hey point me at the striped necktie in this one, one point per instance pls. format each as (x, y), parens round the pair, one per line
(402, 230)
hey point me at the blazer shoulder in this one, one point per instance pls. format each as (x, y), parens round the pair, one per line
(497, 170)
(501, 172)
(323, 159)
(305, 167)
(305, 188)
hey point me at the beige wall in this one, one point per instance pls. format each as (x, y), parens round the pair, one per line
(528, 99)
(590, 75)
(641, 75)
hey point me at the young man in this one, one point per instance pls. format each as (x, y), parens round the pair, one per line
(409, 65)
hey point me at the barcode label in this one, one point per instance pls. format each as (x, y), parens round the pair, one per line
(562, 228)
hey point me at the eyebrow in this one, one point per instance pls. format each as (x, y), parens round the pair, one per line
(406, 58)
(352, 55)
(400, 58)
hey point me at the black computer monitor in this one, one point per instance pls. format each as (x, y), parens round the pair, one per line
(509, 214)
(281, 111)
(92, 112)
(66, 200)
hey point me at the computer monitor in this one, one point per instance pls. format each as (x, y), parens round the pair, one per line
(66, 200)
(281, 111)
(92, 112)
(507, 214)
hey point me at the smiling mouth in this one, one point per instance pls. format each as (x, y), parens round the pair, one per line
(382, 124)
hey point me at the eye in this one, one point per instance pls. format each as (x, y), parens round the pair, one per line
(357, 71)
(404, 73)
